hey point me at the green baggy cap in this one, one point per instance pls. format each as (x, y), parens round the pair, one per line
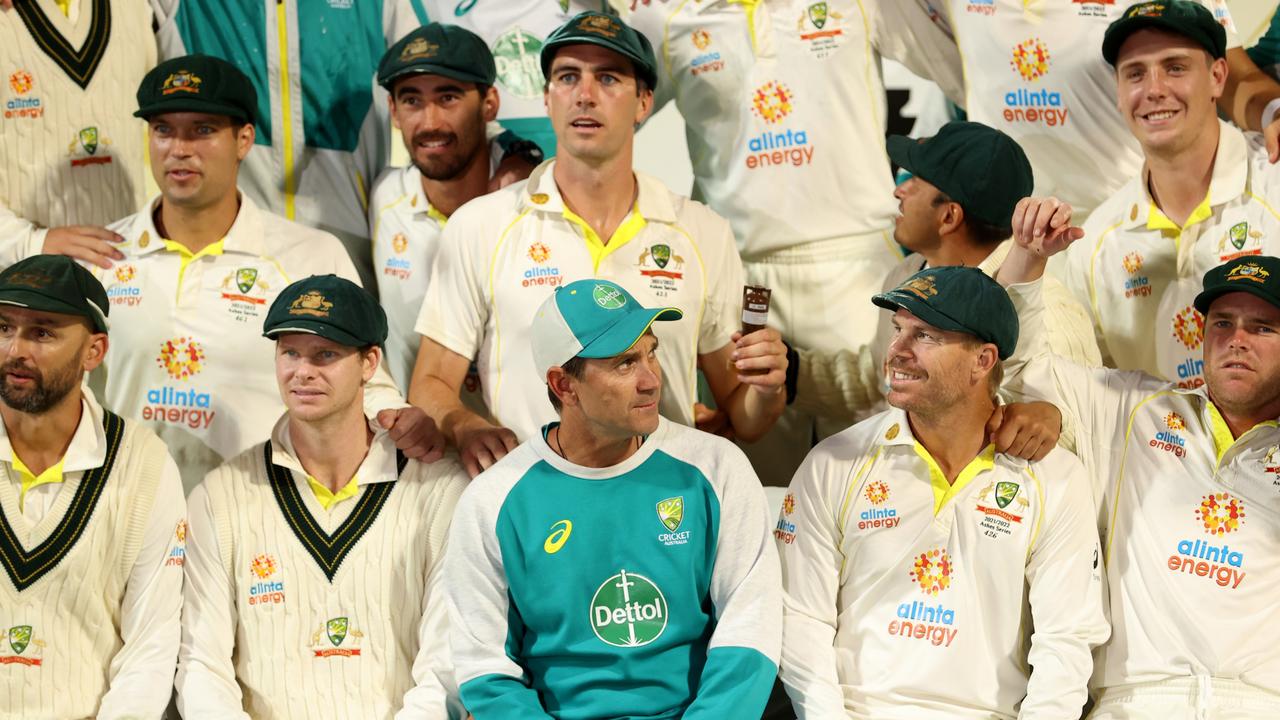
(963, 299)
(1258, 275)
(331, 307)
(1177, 16)
(979, 167)
(607, 31)
(56, 284)
(197, 83)
(437, 49)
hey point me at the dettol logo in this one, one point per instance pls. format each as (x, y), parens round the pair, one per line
(628, 610)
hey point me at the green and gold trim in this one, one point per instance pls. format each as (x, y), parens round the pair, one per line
(327, 550)
(26, 568)
(79, 65)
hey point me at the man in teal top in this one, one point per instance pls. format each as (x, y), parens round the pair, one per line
(616, 565)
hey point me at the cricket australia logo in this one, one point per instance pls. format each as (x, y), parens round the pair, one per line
(628, 610)
(343, 640)
(21, 639)
(671, 515)
(999, 521)
(661, 268)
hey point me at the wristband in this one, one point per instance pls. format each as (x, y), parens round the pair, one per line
(1269, 113)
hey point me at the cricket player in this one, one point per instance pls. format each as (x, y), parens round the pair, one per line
(1028, 73)
(926, 575)
(1184, 485)
(1207, 194)
(202, 265)
(314, 585)
(956, 209)
(324, 135)
(586, 214)
(777, 99)
(91, 512)
(73, 153)
(617, 564)
(515, 30)
(440, 81)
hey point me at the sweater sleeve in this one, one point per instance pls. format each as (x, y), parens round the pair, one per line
(809, 541)
(206, 682)
(484, 627)
(1065, 591)
(742, 657)
(837, 385)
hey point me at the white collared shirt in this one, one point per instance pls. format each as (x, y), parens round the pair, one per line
(909, 596)
(1034, 70)
(1137, 272)
(504, 253)
(784, 111)
(141, 672)
(187, 355)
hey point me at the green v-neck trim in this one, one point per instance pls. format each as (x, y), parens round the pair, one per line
(328, 550)
(25, 568)
(79, 65)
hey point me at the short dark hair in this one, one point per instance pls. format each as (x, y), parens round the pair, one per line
(573, 367)
(984, 233)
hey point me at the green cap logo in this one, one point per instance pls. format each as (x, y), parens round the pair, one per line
(1239, 233)
(818, 14)
(245, 278)
(661, 255)
(1006, 492)
(608, 298)
(628, 610)
(337, 630)
(89, 139)
(671, 512)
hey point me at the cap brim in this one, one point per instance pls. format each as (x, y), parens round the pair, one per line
(902, 152)
(896, 299)
(549, 51)
(430, 69)
(1206, 297)
(312, 327)
(192, 104)
(619, 338)
(43, 303)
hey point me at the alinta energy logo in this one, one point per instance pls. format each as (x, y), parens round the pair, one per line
(706, 61)
(628, 611)
(1168, 439)
(178, 555)
(540, 274)
(785, 531)
(1033, 104)
(919, 620)
(877, 516)
(21, 83)
(123, 291)
(1136, 285)
(1218, 515)
(182, 358)
(398, 267)
(262, 589)
(773, 103)
(1187, 328)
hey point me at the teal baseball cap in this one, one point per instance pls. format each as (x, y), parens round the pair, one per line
(961, 299)
(590, 319)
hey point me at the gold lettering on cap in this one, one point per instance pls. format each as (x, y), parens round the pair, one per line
(310, 303)
(1248, 271)
(923, 287)
(600, 25)
(419, 48)
(31, 279)
(1147, 10)
(181, 81)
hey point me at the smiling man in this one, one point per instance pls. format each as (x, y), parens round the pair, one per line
(1206, 194)
(1185, 487)
(202, 265)
(616, 565)
(586, 214)
(314, 585)
(440, 84)
(925, 575)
